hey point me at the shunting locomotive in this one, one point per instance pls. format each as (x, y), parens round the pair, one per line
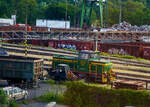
(87, 64)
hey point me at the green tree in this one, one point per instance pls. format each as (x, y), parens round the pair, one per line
(4, 9)
(28, 7)
(58, 12)
(133, 10)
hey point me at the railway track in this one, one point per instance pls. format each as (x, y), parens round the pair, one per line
(127, 61)
(51, 52)
(122, 72)
(41, 49)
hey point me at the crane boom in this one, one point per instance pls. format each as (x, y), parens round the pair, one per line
(86, 12)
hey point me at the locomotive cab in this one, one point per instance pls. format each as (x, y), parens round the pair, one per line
(60, 73)
(87, 54)
(97, 68)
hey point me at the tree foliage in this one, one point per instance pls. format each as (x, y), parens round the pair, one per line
(56, 10)
(3, 97)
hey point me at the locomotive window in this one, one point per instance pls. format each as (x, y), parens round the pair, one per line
(99, 68)
(95, 56)
(93, 68)
(105, 69)
(83, 56)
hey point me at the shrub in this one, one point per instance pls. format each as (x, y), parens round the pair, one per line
(104, 54)
(59, 98)
(79, 94)
(50, 81)
(25, 102)
(3, 97)
(13, 104)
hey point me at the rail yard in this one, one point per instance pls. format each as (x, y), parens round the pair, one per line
(47, 45)
(72, 55)
(124, 68)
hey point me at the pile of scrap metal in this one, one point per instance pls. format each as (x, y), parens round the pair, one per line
(124, 26)
(128, 84)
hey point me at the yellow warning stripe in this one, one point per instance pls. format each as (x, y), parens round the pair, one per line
(64, 60)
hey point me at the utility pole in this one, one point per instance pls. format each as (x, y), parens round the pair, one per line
(75, 3)
(83, 13)
(66, 13)
(101, 12)
(120, 16)
(26, 27)
(106, 12)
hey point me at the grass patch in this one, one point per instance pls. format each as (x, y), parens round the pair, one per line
(25, 102)
(53, 82)
(124, 57)
(50, 81)
(13, 104)
(104, 54)
(58, 98)
(72, 50)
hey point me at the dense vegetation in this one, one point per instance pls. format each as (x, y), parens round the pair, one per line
(79, 94)
(4, 102)
(56, 9)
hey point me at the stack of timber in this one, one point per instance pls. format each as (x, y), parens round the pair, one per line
(129, 84)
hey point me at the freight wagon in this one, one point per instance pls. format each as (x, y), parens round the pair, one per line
(19, 70)
(137, 49)
(23, 28)
(36, 29)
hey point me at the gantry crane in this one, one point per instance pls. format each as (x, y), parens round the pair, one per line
(87, 6)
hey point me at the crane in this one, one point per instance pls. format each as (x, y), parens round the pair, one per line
(87, 6)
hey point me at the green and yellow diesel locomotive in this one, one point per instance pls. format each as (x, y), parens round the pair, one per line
(87, 65)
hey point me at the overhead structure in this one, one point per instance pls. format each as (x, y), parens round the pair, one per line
(87, 6)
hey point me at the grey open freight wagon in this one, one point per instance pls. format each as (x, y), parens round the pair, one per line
(20, 70)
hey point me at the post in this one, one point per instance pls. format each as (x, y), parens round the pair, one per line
(66, 14)
(26, 27)
(2, 37)
(120, 16)
(106, 13)
(101, 12)
(96, 44)
(146, 85)
(83, 12)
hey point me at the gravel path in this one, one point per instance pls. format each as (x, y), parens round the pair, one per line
(44, 89)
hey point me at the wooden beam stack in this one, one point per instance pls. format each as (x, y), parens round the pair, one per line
(129, 84)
